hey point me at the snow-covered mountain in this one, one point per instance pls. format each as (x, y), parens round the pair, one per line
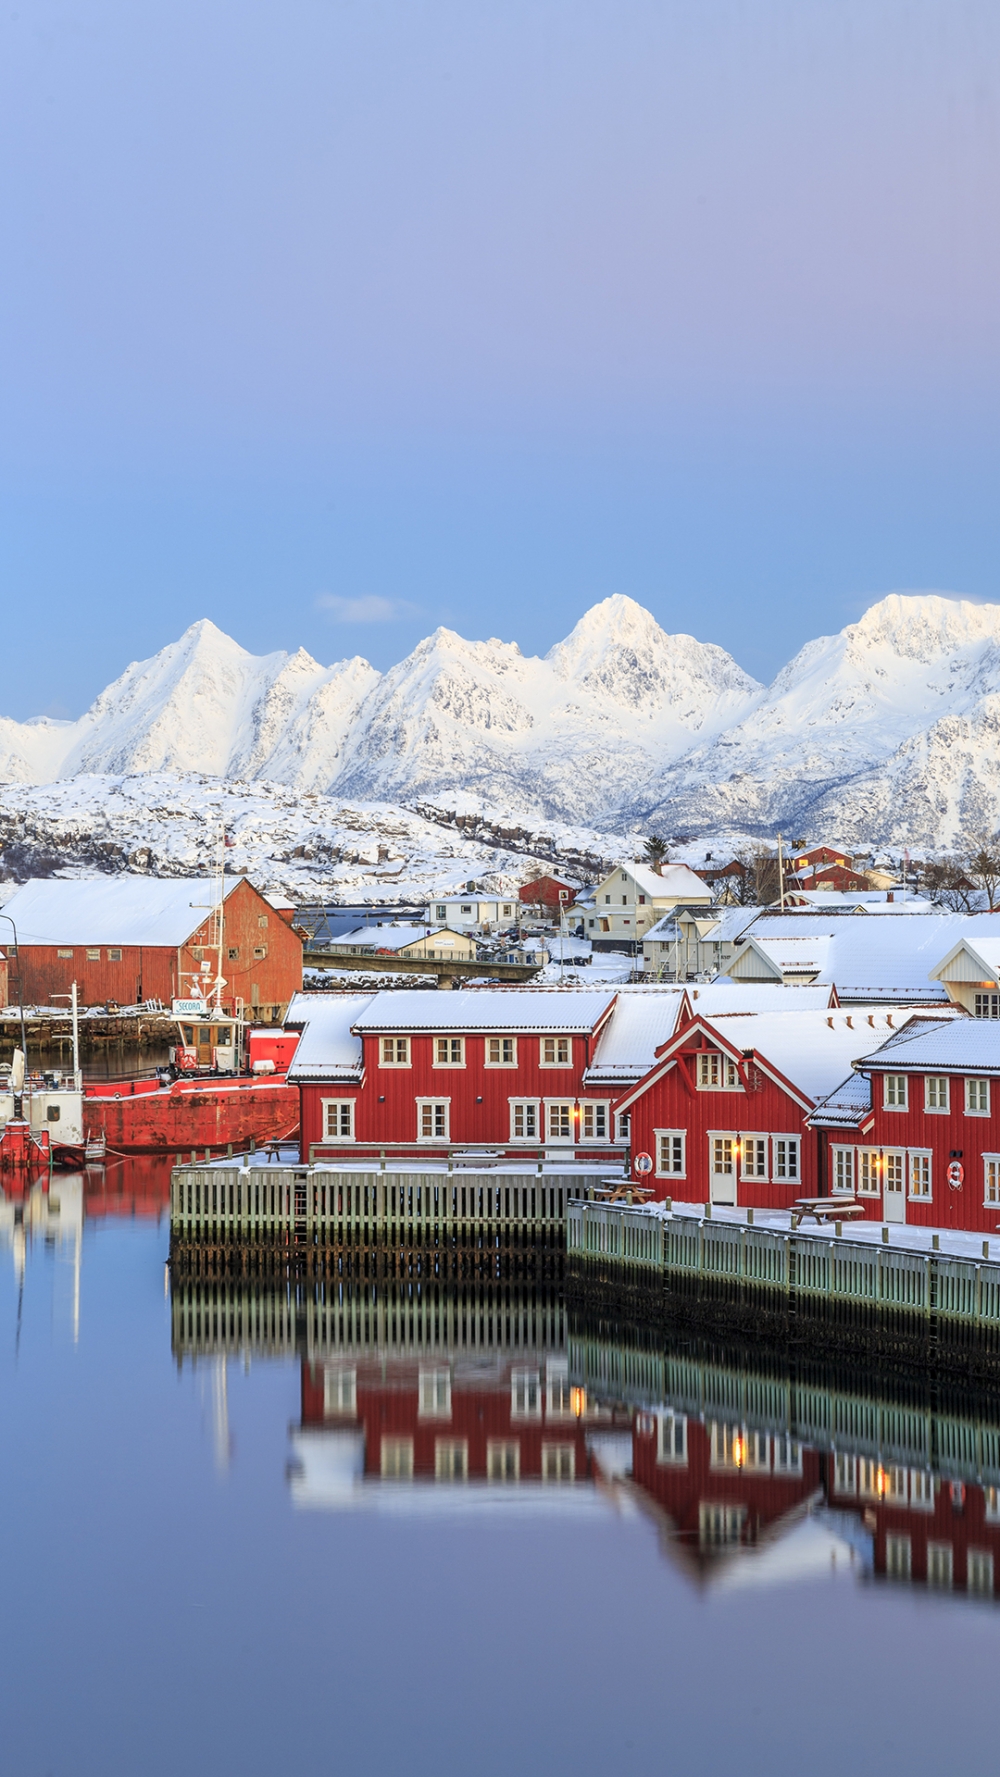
(886, 732)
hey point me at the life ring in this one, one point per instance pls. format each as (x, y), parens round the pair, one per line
(956, 1174)
(643, 1164)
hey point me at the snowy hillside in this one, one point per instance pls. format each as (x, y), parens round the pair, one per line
(885, 733)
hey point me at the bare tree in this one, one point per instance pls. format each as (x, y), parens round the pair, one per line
(980, 859)
(757, 883)
(947, 885)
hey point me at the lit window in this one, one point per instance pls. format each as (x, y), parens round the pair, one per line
(843, 1171)
(987, 1005)
(558, 1462)
(786, 1157)
(671, 1153)
(524, 1119)
(920, 1175)
(894, 1092)
(868, 1179)
(503, 1459)
(936, 1092)
(991, 1169)
(755, 1156)
(395, 1052)
(501, 1052)
(451, 1459)
(557, 1052)
(397, 1459)
(594, 1122)
(432, 1119)
(717, 1073)
(977, 1098)
(449, 1051)
(338, 1119)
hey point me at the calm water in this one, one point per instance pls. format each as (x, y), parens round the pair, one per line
(295, 1556)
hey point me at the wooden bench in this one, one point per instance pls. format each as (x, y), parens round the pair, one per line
(825, 1209)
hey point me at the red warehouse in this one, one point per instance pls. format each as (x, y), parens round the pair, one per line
(722, 1116)
(914, 1133)
(549, 891)
(434, 1069)
(126, 939)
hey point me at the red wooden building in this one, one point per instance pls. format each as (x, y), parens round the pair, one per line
(548, 891)
(723, 1114)
(126, 939)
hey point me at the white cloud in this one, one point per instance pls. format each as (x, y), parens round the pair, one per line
(369, 608)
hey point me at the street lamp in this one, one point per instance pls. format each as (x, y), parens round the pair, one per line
(20, 996)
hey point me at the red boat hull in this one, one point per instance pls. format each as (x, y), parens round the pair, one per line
(191, 1114)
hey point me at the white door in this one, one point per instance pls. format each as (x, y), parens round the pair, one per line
(722, 1168)
(894, 1188)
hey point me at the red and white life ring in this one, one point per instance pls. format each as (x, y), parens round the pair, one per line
(643, 1164)
(956, 1174)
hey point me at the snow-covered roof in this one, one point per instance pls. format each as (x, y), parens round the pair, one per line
(385, 937)
(939, 1045)
(328, 1048)
(473, 898)
(643, 1019)
(846, 1107)
(280, 903)
(793, 956)
(674, 883)
(114, 909)
(568, 1010)
(722, 996)
(984, 947)
(887, 961)
(728, 923)
(868, 900)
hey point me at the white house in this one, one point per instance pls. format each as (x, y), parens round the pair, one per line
(465, 913)
(634, 897)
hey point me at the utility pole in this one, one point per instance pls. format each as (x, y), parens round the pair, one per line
(781, 875)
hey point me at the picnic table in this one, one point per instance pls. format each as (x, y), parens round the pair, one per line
(825, 1209)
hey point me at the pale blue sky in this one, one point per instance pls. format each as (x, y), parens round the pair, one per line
(476, 313)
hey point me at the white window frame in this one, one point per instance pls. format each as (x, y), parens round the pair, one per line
(992, 1003)
(595, 1105)
(991, 1181)
(845, 1474)
(919, 1161)
(558, 1462)
(402, 1052)
(525, 1394)
(891, 1085)
(922, 1490)
(337, 1106)
(449, 1061)
(940, 1566)
(534, 1104)
(933, 1085)
(728, 1073)
(975, 1110)
(508, 1451)
(433, 1104)
(623, 1126)
(868, 1168)
(560, 1140)
(340, 1391)
(666, 1142)
(434, 1394)
(445, 1452)
(979, 1572)
(558, 1393)
(396, 1457)
(500, 1039)
(671, 1440)
(786, 1177)
(555, 1041)
(898, 1555)
(755, 1178)
(843, 1165)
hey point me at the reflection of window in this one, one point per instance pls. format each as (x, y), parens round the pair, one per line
(991, 1500)
(756, 1450)
(558, 1462)
(898, 1556)
(451, 1459)
(979, 1572)
(845, 1473)
(787, 1456)
(726, 1444)
(340, 1392)
(525, 1394)
(720, 1526)
(940, 1566)
(558, 1402)
(672, 1438)
(435, 1394)
(93, 956)
(397, 1459)
(503, 1459)
(114, 956)
(869, 1477)
(921, 1490)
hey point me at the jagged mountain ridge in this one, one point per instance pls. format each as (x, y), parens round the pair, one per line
(886, 732)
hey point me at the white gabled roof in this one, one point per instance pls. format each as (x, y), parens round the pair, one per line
(114, 909)
(387, 937)
(984, 950)
(676, 883)
(328, 1048)
(643, 1019)
(570, 1011)
(884, 961)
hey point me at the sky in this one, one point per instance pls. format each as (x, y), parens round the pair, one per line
(334, 320)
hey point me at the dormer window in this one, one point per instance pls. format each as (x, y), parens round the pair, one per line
(717, 1072)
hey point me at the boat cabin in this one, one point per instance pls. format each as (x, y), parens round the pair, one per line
(207, 1042)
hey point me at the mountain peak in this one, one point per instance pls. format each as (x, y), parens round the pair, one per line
(923, 625)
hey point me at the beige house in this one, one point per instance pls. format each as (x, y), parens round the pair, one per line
(634, 897)
(435, 943)
(970, 974)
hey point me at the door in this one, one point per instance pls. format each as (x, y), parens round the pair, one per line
(203, 1033)
(894, 1187)
(722, 1168)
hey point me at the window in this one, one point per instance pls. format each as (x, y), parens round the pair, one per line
(501, 1052)
(503, 1459)
(671, 1439)
(441, 913)
(114, 956)
(260, 951)
(607, 900)
(197, 952)
(93, 956)
(786, 1157)
(787, 1456)
(868, 1179)
(991, 1181)
(898, 1556)
(940, 1566)
(340, 1392)
(893, 1165)
(64, 953)
(594, 1122)
(671, 1153)
(451, 1459)
(720, 1526)
(433, 1119)
(525, 1394)
(262, 921)
(725, 1445)
(556, 1052)
(754, 1156)
(397, 1459)
(845, 1473)
(466, 909)
(977, 1098)
(921, 1490)
(936, 1092)
(394, 1052)
(233, 953)
(717, 1073)
(991, 1500)
(871, 1481)
(721, 1149)
(558, 1462)
(920, 1174)
(624, 1120)
(987, 1005)
(894, 1092)
(842, 1161)
(434, 1394)
(524, 1119)
(895, 1482)
(559, 1117)
(979, 1572)
(338, 1119)
(558, 1394)
(642, 900)
(449, 1051)
(757, 1450)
